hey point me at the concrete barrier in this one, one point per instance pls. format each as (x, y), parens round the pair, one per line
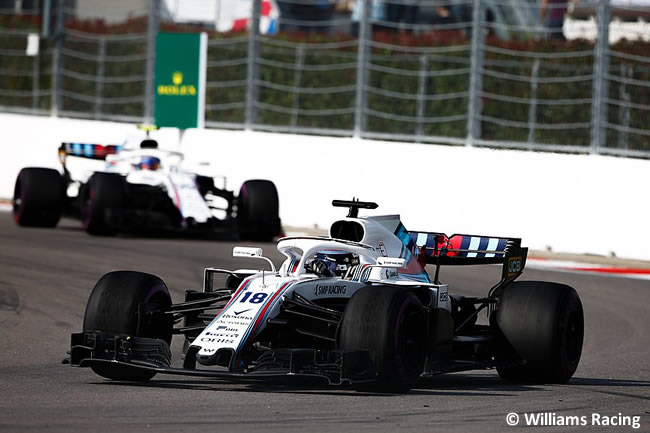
(568, 203)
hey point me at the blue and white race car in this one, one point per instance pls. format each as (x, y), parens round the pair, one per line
(138, 187)
(357, 307)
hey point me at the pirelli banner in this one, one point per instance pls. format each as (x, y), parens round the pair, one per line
(180, 79)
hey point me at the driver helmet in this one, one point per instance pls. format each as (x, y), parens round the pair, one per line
(148, 163)
(337, 261)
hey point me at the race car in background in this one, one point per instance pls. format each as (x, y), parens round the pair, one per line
(357, 307)
(139, 187)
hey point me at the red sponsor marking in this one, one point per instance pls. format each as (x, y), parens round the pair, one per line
(240, 25)
(237, 360)
(266, 307)
(177, 197)
(243, 287)
(455, 242)
(634, 271)
(266, 8)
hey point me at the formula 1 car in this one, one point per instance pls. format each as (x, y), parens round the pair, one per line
(356, 308)
(141, 188)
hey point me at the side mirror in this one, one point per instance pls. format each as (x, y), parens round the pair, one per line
(390, 262)
(249, 252)
(384, 263)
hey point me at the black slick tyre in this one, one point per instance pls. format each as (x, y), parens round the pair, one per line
(544, 324)
(103, 192)
(258, 210)
(128, 303)
(389, 323)
(38, 197)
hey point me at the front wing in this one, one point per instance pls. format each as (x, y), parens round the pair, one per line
(90, 349)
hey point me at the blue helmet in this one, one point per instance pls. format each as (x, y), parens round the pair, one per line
(337, 261)
(149, 163)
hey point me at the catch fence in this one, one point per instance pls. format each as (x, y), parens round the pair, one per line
(462, 72)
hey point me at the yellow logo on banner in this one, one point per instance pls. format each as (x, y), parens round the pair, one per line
(177, 88)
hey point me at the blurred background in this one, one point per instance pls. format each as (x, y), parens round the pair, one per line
(521, 74)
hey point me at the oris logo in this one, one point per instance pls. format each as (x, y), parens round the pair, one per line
(217, 340)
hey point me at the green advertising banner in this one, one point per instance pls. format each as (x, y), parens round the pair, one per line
(180, 80)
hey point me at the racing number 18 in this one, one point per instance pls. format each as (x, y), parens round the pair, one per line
(256, 298)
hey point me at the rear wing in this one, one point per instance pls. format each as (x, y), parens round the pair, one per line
(86, 150)
(461, 249)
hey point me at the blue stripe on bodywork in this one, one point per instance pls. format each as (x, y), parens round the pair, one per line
(244, 339)
(482, 246)
(431, 242)
(232, 301)
(501, 247)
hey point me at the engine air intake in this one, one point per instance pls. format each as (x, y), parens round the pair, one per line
(348, 230)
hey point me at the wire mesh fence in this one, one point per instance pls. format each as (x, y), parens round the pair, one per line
(530, 74)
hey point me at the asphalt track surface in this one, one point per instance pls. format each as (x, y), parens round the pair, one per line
(46, 276)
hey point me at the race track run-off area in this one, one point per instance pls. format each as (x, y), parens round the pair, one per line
(46, 276)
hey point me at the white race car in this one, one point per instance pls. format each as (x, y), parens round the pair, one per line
(356, 307)
(141, 188)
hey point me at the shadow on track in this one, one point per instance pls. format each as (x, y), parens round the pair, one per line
(452, 385)
(587, 381)
(593, 385)
(444, 385)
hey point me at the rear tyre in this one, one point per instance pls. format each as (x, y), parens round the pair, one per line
(104, 192)
(544, 324)
(38, 197)
(389, 323)
(258, 210)
(128, 303)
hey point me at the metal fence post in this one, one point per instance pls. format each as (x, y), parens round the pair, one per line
(476, 78)
(36, 79)
(600, 86)
(57, 62)
(532, 108)
(297, 78)
(99, 77)
(624, 115)
(252, 71)
(360, 99)
(153, 26)
(47, 12)
(421, 101)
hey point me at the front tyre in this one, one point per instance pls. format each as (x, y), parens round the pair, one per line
(258, 210)
(128, 303)
(544, 324)
(103, 193)
(389, 323)
(38, 197)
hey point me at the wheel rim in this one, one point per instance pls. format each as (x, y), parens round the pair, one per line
(409, 341)
(154, 323)
(575, 334)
